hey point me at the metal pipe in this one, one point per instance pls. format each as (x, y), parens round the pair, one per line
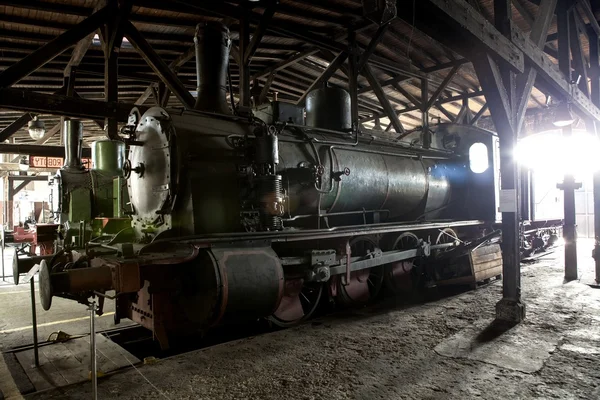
(93, 349)
(73, 140)
(34, 323)
(212, 45)
(336, 214)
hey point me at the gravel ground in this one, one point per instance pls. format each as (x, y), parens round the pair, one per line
(389, 352)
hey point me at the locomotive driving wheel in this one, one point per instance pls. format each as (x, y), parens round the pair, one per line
(446, 235)
(299, 302)
(364, 284)
(398, 275)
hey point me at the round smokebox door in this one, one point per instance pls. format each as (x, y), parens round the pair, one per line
(149, 166)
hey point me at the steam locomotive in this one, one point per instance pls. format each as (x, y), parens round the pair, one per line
(238, 217)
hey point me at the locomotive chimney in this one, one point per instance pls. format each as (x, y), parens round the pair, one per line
(212, 56)
(73, 140)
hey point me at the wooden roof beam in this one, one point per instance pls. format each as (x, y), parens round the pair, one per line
(52, 49)
(29, 101)
(383, 100)
(158, 65)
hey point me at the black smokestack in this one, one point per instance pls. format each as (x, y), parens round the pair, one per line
(73, 140)
(212, 55)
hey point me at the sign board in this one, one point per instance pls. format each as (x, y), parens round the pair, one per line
(53, 162)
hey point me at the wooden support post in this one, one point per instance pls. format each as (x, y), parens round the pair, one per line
(497, 82)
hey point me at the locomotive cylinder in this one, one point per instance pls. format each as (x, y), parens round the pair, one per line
(212, 43)
(329, 108)
(73, 140)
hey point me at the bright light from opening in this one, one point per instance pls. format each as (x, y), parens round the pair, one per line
(552, 153)
(478, 158)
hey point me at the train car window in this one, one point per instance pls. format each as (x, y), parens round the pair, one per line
(478, 158)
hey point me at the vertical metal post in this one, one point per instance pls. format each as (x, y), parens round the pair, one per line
(2, 250)
(525, 194)
(353, 79)
(93, 368)
(425, 112)
(34, 322)
(111, 88)
(595, 86)
(244, 67)
(563, 8)
(568, 187)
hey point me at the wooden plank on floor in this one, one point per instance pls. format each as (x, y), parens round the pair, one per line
(45, 376)
(66, 363)
(8, 388)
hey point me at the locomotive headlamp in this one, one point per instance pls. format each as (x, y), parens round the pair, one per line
(37, 128)
(563, 116)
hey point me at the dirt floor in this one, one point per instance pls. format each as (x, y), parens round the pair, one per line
(443, 349)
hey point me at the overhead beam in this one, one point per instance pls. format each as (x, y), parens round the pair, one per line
(447, 113)
(479, 114)
(52, 49)
(14, 127)
(406, 94)
(579, 62)
(436, 95)
(178, 62)
(552, 75)
(447, 100)
(444, 19)
(265, 89)
(383, 100)
(49, 134)
(27, 178)
(375, 40)
(325, 75)
(259, 32)
(29, 101)
(158, 65)
(538, 35)
(587, 10)
(301, 55)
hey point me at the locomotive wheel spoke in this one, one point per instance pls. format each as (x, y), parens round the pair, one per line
(365, 284)
(297, 306)
(446, 235)
(398, 275)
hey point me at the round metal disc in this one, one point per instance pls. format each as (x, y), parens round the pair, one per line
(15, 266)
(46, 290)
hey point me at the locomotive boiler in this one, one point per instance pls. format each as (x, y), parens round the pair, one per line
(238, 217)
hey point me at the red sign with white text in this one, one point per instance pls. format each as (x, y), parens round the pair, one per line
(53, 162)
